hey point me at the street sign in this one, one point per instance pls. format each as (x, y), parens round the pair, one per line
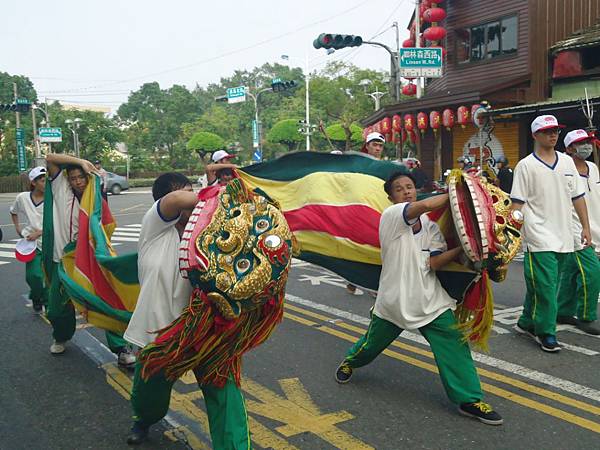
(254, 134)
(53, 134)
(257, 155)
(22, 101)
(276, 80)
(421, 62)
(236, 94)
(21, 156)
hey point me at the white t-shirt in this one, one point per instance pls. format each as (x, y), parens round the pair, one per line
(409, 295)
(591, 184)
(163, 292)
(29, 212)
(547, 193)
(65, 214)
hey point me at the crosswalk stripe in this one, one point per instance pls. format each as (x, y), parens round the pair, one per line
(124, 239)
(134, 225)
(2, 245)
(7, 254)
(121, 233)
(4, 262)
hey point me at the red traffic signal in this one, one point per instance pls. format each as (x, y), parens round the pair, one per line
(337, 41)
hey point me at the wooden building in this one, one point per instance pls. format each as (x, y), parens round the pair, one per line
(499, 52)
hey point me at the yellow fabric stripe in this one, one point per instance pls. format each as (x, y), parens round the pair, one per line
(337, 189)
(100, 320)
(328, 245)
(585, 296)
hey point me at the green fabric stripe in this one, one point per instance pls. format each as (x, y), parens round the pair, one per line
(293, 166)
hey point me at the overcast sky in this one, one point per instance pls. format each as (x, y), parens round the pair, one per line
(96, 52)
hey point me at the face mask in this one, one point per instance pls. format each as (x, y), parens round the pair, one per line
(583, 151)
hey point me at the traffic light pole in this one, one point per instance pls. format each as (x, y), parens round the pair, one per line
(395, 61)
(255, 98)
(17, 114)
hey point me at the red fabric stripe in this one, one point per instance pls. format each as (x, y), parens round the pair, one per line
(359, 223)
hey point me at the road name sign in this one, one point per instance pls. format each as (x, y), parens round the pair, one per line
(236, 94)
(50, 134)
(421, 62)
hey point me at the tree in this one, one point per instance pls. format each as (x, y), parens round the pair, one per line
(348, 136)
(205, 142)
(285, 132)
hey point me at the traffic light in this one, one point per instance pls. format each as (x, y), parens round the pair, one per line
(337, 41)
(21, 108)
(280, 85)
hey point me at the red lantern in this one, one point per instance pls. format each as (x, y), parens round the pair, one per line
(409, 89)
(463, 116)
(366, 132)
(435, 120)
(386, 126)
(396, 123)
(427, 3)
(443, 49)
(389, 137)
(408, 43)
(409, 122)
(448, 118)
(434, 15)
(377, 127)
(422, 122)
(435, 33)
(422, 9)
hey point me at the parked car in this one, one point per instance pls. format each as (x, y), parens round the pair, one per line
(116, 183)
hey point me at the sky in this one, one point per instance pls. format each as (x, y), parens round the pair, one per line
(96, 52)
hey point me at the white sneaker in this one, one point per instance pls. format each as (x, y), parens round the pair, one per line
(126, 358)
(57, 348)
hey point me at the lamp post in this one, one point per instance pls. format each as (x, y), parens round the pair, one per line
(376, 95)
(74, 127)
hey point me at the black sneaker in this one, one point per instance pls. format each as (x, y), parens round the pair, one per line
(566, 320)
(343, 373)
(522, 330)
(139, 433)
(482, 412)
(37, 308)
(588, 327)
(548, 343)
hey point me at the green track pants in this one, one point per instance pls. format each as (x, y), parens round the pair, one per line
(35, 280)
(580, 285)
(542, 271)
(61, 315)
(452, 354)
(225, 408)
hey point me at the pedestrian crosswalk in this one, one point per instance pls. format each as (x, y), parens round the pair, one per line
(126, 233)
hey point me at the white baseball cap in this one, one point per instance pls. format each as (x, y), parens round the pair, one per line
(375, 136)
(36, 172)
(576, 136)
(545, 122)
(221, 154)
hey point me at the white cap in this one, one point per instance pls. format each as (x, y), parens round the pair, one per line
(220, 154)
(336, 152)
(375, 136)
(545, 122)
(36, 172)
(576, 136)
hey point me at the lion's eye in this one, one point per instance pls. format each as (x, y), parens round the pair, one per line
(262, 225)
(242, 265)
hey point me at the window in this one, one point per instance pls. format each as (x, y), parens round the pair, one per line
(487, 41)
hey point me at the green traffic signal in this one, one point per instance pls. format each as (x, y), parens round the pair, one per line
(279, 85)
(337, 41)
(21, 107)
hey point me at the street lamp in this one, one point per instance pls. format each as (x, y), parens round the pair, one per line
(376, 95)
(74, 126)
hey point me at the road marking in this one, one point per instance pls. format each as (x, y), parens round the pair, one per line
(7, 254)
(123, 239)
(126, 234)
(533, 375)
(131, 207)
(134, 225)
(524, 401)
(3, 245)
(300, 414)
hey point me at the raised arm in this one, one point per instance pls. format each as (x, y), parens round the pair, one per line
(212, 169)
(172, 204)
(415, 209)
(55, 160)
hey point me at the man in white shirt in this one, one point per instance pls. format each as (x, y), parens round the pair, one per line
(546, 187)
(410, 296)
(69, 177)
(580, 278)
(221, 160)
(164, 293)
(28, 208)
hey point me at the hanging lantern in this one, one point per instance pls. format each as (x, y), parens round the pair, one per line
(435, 120)
(448, 118)
(409, 89)
(377, 127)
(443, 49)
(462, 116)
(427, 3)
(388, 136)
(386, 126)
(396, 123)
(422, 9)
(422, 120)
(409, 122)
(434, 15)
(435, 33)
(474, 108)
(366, 131)
(408, 43)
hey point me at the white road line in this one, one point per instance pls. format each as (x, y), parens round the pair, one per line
(576, 348)
(134, 225)
(4, 262)
(7, 254)
(3, 245)
(123, 239)
(534, 375)
(122, 233)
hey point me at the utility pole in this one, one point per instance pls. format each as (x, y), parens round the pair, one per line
(397, 73)
(418, 41)
(36, 138)
(17, 113)
(307, 83)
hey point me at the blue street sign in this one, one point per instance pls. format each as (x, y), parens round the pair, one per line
(257, 155)
(254, 134)
(421, 62)
(21, 155)
(50, 134)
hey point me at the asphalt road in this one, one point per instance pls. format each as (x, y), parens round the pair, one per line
(79, 400)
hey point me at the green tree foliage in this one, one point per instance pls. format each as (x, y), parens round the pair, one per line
(285, 132)
(205, 141)
(337, 132)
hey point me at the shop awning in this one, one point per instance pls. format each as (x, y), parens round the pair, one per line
(546, 107)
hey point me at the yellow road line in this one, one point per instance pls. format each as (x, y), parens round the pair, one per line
(550, 410)
(482, 372)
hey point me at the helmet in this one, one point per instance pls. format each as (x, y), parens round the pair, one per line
(502, 159)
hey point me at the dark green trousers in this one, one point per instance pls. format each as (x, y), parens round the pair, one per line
(225, 408)
(580, 285)
(35, 280)
(452, 354)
